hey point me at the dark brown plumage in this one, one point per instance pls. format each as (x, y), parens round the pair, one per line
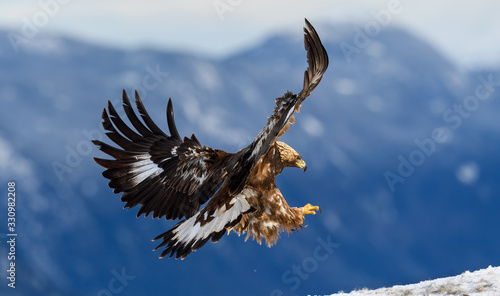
(172, 177)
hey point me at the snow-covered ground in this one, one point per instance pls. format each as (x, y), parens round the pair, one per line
(484, 282)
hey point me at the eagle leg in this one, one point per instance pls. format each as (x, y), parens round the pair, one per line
(307, 209)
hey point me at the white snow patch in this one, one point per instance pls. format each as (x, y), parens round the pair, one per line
(331, 221)
(345, 86)
(207, 75)
(250, 93)
(456, 79)
(312, 126)
(15, 167)
(484, 282)
(468, 173)
(12, 165)
(89, 187)
(130, 78)
(339, 158)
(47, 45)
(214, 122)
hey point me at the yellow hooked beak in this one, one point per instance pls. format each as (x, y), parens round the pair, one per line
(301, 164)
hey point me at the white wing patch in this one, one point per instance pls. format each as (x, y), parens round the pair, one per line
(190, 232)
(144, 169)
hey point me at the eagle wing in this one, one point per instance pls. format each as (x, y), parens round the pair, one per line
(168, 176)
(211, 223)
(281, 119)
(232, 200)
(317, 60)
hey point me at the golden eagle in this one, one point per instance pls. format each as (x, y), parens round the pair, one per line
(172, 177)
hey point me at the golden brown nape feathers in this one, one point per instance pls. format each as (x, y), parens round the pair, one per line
(289, 157)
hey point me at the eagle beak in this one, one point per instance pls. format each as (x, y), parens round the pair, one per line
(301, 164)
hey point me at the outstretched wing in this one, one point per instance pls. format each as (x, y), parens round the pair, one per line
(168, 176)
(279, 122)
(191, 234)
(317, 60)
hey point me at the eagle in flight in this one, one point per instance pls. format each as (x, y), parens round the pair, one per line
(173, 177)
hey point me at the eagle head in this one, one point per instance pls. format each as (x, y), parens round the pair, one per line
(289, 157)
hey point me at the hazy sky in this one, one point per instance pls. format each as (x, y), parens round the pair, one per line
(468, 32)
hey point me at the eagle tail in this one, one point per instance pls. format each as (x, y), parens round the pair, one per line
(191, 234)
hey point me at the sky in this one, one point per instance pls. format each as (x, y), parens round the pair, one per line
(467, 32)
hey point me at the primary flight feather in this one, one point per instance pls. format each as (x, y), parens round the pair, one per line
(172, 177)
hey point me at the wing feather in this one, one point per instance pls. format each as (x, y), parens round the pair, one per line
(120, 125)
(171, 122)
(317, 60)
(115, 152)
(144, 131)
(167, 176)
(282, 118)
(145, 117)
(119, 139)
(208, 224)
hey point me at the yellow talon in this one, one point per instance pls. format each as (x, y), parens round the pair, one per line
(310, 209)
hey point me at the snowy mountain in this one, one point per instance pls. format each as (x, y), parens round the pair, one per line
(484, 282)
(401, 146)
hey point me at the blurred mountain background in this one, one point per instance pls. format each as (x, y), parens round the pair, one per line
(402, 158)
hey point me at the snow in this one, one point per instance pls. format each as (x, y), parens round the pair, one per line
(468, 173)
(312, 126)
(345, 86)
(482, 282)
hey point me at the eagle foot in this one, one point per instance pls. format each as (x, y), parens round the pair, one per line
(310, 209)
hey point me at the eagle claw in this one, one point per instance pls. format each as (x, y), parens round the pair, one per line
(310, 209)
